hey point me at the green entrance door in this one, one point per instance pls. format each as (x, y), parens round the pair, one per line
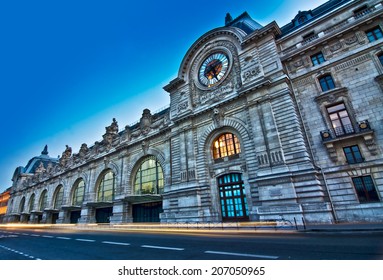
(232, 197)
(147, 212)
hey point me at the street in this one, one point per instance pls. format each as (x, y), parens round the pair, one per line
(69, 244)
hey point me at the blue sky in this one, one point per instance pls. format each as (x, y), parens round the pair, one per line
(67, 68)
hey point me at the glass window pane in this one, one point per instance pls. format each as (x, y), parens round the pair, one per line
(107, 187)
(365, 189)
(149, 178)
(226, 145)
(232, 196)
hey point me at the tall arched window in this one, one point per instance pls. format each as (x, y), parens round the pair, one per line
(149, 177)
(31, 202)
(226, 145)
(59, 197)
(78, 193)
(106, 187)
(43, 200)
(22, 205)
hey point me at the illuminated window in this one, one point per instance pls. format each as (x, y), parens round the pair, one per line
(232, 197)
(59, 198)
(226, 145)
(78, 193)
(340, 119)
(149, 177)
(365, 189)
(31, 202)
(44, 200)
(106, 187)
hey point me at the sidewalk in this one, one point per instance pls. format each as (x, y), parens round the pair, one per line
(342, 227)
(260, 227)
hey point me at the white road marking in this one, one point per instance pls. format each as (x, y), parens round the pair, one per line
(242, 255)
(47, 236)
(115, 243)
(63, 237)
(17, 252)
(35, 235)
(163, 248)
(85, 240)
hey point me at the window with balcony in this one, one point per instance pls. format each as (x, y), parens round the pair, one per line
(317, 59)
(374, 34)
(365, 189)
(340, 119)
(353, 154)
(326, 82)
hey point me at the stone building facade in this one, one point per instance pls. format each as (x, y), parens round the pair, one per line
(264, 123)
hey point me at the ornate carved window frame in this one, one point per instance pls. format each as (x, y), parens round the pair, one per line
(362, 129)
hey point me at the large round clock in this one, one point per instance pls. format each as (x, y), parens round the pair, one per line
(213, 69)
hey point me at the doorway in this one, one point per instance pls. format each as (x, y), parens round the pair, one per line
(147, 212)
(103, 215)
(232, 197)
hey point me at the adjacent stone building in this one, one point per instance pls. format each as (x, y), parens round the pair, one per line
(264, 123)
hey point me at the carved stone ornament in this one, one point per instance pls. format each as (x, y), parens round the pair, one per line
(218, 117)
(335, 47)
(65, 156)
(113, 128)
(251, 73)
(111, 132)
(83, 150)
(40, 168)
(145, 121)
(145, 147)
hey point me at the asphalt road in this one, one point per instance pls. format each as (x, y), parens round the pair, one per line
(42, 244)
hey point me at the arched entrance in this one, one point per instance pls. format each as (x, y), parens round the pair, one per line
(148, 188)
(232, 197)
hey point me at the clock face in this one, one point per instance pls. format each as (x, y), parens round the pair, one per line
(213, 69)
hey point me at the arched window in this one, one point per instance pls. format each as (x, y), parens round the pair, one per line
(43, 200)
(22, 205)
(326, 82)
(31, 202)
(78, 193)
(106, 187)
(149, 177)
(226, 145)
(59, 197)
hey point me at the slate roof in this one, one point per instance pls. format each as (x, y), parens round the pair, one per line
(311, 15)
(244, 22)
